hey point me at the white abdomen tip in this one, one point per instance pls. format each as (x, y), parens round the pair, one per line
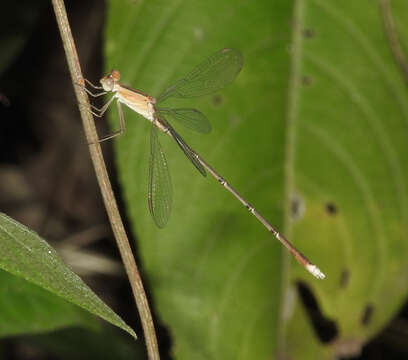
(315, 271)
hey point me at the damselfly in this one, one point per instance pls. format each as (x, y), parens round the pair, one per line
(217, 71)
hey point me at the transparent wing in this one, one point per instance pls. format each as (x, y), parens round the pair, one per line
(183, 146)
(160, 189)
(191, 118)
(211, 75)
(188, 151)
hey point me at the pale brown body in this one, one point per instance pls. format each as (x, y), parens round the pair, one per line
(144, 105)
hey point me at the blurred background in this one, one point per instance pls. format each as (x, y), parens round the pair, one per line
(313, 133)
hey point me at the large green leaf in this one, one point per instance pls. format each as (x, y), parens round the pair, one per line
(318, 114)
(26, 308)
(351, 150)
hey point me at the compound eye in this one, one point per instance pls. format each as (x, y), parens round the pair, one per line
(107, 83)
(115, 75)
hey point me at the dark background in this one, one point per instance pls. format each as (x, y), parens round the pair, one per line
(48, 183)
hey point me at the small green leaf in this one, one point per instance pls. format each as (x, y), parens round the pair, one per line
(23, 253)
(26, 308)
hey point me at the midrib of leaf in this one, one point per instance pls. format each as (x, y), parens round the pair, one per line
(289, 157)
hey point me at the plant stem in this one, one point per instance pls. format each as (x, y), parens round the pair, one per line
(104, 183)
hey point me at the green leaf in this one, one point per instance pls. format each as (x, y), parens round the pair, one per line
(317, 118)
(350, 163)
(27, 309)
(80, 343)
(24, 254)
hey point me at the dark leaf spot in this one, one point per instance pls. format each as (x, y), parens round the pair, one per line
(306, 80)
(296, 207)
(344, 278)
(325, 328)
(217, 100)
(331, 208)
(309, 33)
(367, 314)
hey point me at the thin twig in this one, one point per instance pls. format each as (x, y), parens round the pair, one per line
(394, 42)
(104, 183)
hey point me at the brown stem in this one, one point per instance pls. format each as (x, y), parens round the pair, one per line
(104, 183)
